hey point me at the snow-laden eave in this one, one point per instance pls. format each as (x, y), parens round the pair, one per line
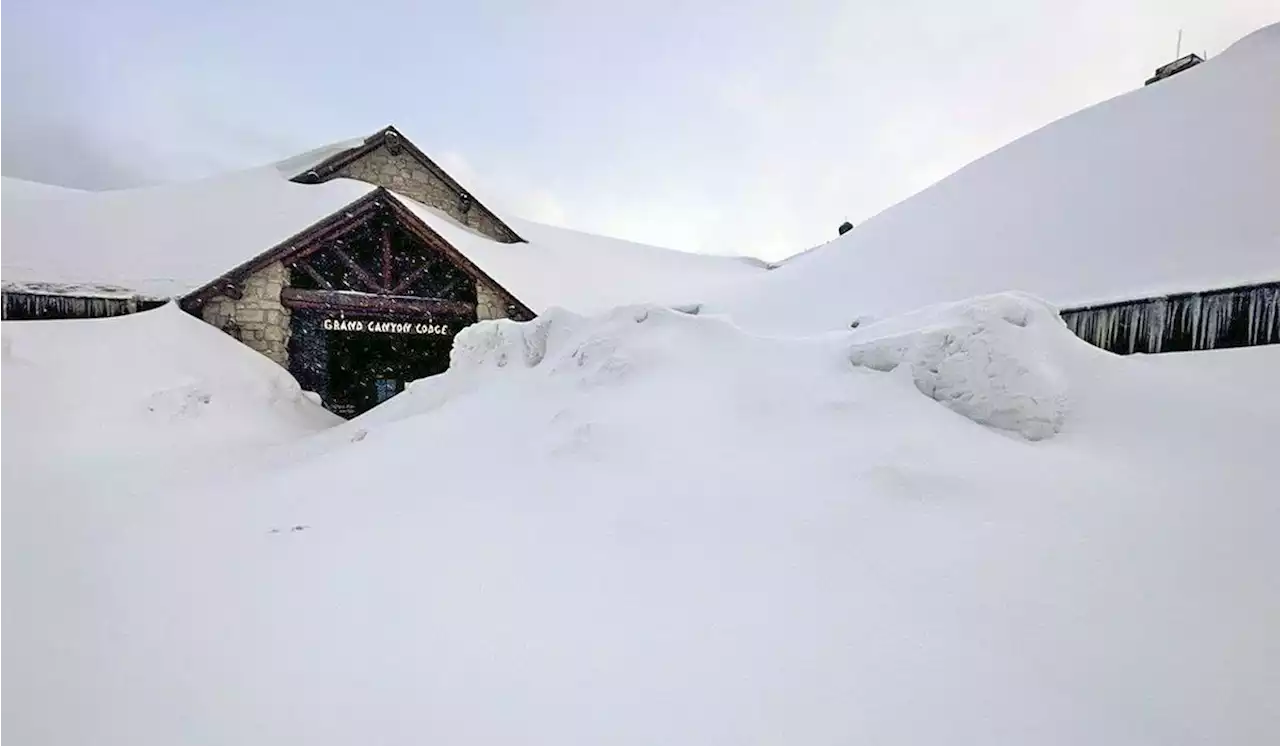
(293, 166)
(83, 290)
(348, 212)
(1171, 294)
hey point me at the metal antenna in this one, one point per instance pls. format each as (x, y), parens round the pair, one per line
(1178, 53)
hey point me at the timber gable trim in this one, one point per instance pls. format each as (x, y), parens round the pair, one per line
(396, 143)
(319, 236)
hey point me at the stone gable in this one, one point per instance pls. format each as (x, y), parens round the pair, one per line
(402, 173)
(258, 318)
(488, 303)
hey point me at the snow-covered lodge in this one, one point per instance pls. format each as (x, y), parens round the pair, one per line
(352, 266)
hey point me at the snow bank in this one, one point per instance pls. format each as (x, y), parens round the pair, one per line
(564, 341)
(990, 359)
(1165, 189)
(640, 527)
(159, 379)
(994, 360)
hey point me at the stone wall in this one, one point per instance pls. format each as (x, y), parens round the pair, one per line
(488, 304)
(402, 173)
(257, 319)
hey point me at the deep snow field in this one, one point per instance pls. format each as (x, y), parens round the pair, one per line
(958, 526)
(953, 524)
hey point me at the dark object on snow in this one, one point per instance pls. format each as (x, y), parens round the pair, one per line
(1175, 67)
(845, 227)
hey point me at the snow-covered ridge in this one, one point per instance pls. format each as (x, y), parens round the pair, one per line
(10, 186)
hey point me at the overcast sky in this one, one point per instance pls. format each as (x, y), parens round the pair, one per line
(730, 127)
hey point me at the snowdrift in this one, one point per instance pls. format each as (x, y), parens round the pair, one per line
(640, 527)
(1169, 188)
(153, 380)
(991, 359)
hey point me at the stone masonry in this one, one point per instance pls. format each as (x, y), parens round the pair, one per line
(488, 304)
(257, 319)
(404, 174)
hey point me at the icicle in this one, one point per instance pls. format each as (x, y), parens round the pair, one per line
(31, 306)
(1195, 321)
(1271, 312)
(1157, 322)
(1263, 313)
(1191, 318)
(1135, 316)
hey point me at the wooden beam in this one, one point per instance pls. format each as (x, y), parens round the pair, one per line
(288, 251)
(365, 277)
(386, 257)
(338, 301)
(409, 279)
(319, 278)
(339, 229)
(426, 235)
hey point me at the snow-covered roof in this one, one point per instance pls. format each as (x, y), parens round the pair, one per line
(585, 272)
(1169, 188)
(169, 240)
(159, 241)
(21, 187)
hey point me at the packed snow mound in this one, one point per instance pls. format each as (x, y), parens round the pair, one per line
(995, 360)
(564, 342)
(159, 375)
(991, 359)
(1167, 188)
